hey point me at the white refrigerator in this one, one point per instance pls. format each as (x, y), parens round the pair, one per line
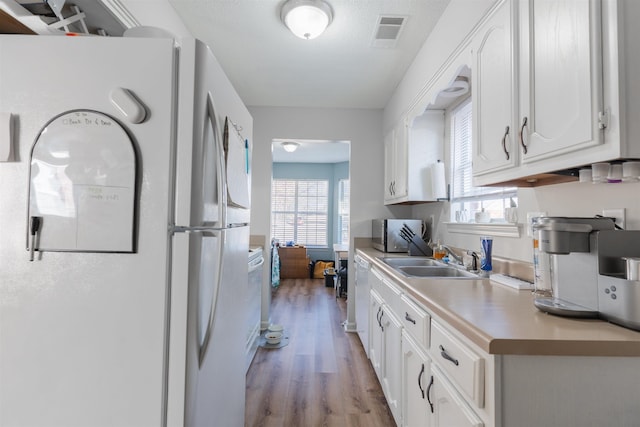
(124, 211)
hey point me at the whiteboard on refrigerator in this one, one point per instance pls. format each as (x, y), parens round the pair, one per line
(237, 167)
(82, 184)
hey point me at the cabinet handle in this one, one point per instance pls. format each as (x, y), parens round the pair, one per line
(407, 317)
(524, 146)
(420, 380)
(504, 142)
(381, 325)
(446, 355)
(429, 394)
(378, 316)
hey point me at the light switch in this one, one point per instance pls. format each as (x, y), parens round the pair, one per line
(6, 137)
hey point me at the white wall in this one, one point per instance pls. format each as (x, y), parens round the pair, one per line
(363, 128)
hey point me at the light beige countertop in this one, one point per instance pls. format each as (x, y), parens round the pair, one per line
(502, 320)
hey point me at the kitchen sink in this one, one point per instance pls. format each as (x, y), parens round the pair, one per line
(436, 272)
(410, 262)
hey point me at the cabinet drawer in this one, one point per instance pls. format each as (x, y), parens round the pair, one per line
(389, 292)
(463, 366)
(415, 320)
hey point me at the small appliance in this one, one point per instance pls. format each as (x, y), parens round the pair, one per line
(589, 274)
(385, 233)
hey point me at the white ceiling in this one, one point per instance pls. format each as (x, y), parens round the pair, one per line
(269, 66)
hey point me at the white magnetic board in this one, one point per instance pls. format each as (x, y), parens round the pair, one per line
(82, 184)
(237, 168)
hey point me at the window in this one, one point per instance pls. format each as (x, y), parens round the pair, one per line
(300, 211)
(466, 199)
(343, 211)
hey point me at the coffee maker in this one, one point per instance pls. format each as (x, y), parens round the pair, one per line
(589, 274)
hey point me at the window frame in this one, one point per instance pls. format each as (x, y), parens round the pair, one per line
(297, 212)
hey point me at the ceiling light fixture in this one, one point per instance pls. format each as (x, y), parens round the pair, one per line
(290, 146)
(306, 19)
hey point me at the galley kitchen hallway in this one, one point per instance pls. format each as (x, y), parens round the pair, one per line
(322, 377)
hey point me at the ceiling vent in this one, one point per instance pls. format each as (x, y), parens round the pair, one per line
(388, 30)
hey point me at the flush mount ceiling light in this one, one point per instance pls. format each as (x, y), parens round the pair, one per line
(459, 87)
(306, 19)
(290, 146)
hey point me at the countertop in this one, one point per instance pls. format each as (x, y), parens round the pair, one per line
(504, 321)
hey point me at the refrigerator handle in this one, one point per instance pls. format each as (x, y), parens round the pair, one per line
(220, 158)
(214, 303)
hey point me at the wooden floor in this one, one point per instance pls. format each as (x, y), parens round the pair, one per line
(322, 377)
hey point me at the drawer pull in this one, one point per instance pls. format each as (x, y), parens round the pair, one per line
(381, 325)
(420, 380)
(428, 392)
(408, 318)
(446, 355)
(379, 317)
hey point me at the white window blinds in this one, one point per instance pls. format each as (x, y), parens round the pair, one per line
(465, 198)
(300, 211)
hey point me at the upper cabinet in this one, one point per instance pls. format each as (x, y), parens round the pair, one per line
(547, 88)
(412, 149)
(561, 98)
(395, 164)
(493, 77)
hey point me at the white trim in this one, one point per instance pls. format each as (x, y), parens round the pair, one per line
(494, 229)
(121, 13)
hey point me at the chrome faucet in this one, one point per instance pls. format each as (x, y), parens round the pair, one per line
(439, 245)
(452, 254)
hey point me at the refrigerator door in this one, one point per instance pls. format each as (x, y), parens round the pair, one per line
(212, 187)
(215, 387)
(200, 178)
(83, 336)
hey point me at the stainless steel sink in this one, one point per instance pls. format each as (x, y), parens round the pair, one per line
(410, 262)
(436, 272)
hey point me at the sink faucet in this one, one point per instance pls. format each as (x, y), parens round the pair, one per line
(452, 254)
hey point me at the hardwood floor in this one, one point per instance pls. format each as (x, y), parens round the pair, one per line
(322, 377)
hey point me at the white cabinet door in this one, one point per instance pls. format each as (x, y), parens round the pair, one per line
(389, 165)
(495, 142)
(449, 408)
(395, 163)
(401, 159)
(560, 77)
(416, 374)
(392, 361)
(375, 332)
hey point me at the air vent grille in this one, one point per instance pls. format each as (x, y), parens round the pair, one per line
(388, 31)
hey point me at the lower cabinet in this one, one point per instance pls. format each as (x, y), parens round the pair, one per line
(385, 352)
(449, 408)
(392, 362)
(416, 382)
(375, 332)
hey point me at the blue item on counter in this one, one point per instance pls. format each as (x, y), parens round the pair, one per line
(486, 243)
